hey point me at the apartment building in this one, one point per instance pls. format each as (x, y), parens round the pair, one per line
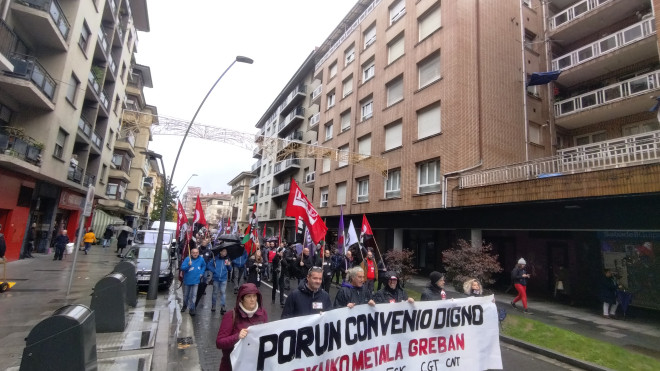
(241, 195)
(189, 201)
(65, 69)
(564, 173)
(216, 206)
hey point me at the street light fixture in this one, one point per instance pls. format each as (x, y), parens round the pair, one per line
(155, 269)
(185, 184)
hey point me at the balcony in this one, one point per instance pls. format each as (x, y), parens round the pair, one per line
(633, 150)
(310, 177)
(104, 45)
(281, 190)
(254, 183)
(95, 80)
(97, 139)
(14, 143)
(75, 174)
(148, 182)
(259, 136)
(316, 94)
(84, 126)
(257, 152)
(29, 83)
(599, 57)
(286, 165)
(89, 180)
(582, 18)
(294, 117)
(314, 121)
(127, 144)
(613, 101)
(252, 199)
(295, 96)
(256, 166)
(294, 137)
(45, 21)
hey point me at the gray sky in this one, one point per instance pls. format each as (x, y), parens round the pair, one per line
(192, 42)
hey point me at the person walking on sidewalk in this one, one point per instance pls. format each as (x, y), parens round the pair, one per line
(608, 287)
(193, 267)
(89, 238)
(221, 268)
(435, 290)
(107, 236)
(60, 244)
(248, 311)
(122, 241)
(519, 277)
(29, 244)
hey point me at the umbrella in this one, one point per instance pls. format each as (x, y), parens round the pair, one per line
(234, 249)
(273, 239)
(229, 238)
(125, 228)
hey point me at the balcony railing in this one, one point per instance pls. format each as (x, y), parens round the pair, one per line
(89, 180)
(254, 182)
(616, 153)
(13, 142)
(85, 126)
(608, 44)
(317, 92)
(300, 89)
(256, 165)
(97, 139)
(298, 111)
(314, 120)
(75, 173)
(295, 136)
(609, 94)
(575, 11)
(252, 199)
(29, 68)
(103, 40)
(53, 8)
(283, 165)
(281, 189)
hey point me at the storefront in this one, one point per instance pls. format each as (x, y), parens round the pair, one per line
(17, 190)
(69, 210)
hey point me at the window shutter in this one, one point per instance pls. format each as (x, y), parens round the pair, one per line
(428, 122)
(393, 136)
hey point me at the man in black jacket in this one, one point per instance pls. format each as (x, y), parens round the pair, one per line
(392, 292)
(308, 298)
(352, 292)
(279, 268)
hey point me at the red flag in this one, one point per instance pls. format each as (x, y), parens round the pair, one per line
(366, 228)
(299, 206)
(279, 234)
(228, 230)
(181, 219)
(264, 234)
(199, 213)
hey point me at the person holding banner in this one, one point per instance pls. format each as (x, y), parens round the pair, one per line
(392, 292)
(308, 298)
(235, 324)
(353, 292)
(436, 288)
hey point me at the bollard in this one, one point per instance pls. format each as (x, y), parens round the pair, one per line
(109, 303)
(127, 268)
(64, 341)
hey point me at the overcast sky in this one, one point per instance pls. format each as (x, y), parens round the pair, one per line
(189, 46)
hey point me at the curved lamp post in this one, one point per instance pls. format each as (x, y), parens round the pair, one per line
(155, 268)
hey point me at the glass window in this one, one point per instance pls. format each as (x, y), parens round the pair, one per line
(347, 86)
(397, 10)
(345, 121)
(341, 193)
(395, 49)
(333, 70)
(324, 197)
(393, 184)
(534, 133)
(640, 128)
(370, 36)
(393, 137)
(364, 145)
(349, 55)
(363, 190)
(428, 121)
(367, 108)
(331, 99)
(342, 156)
(429, 22)
(84, 37)
(429, 70)
(368, 70)
(72, 89)
(429, 176)
(328, 131)
(325, 166)
(395, 91)
(59, 143)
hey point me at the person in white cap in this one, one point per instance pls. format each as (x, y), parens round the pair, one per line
(519, 277)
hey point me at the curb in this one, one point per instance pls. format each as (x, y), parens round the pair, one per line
(554, 355)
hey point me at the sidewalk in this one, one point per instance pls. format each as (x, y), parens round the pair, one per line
(149, 341)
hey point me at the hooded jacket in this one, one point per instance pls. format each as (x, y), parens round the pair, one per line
(433, 291)
(301, 301)
(192, 270)
(351, 294)
(389, 295)
(219, 268)
(236, 320)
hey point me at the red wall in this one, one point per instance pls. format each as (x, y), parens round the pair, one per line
(15, 218)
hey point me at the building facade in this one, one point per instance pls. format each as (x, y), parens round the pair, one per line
(241, 195)
(65, 69)
(217, 207)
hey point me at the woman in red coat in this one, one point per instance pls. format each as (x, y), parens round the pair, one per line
(235, 323)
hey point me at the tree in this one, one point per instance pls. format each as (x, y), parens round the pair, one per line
(170, 214)
(464, 262)
(401, 262)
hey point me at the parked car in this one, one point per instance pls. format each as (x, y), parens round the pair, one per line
(142, 254)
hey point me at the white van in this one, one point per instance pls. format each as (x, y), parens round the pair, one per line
(169, 226)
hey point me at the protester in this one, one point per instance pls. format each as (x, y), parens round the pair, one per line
(205, 252)
(519, 277)
(326, 264)
(392, 292)
(353, 292)
(382, 274)
(279, 267)
(234, 326)
(608, 287)
(370, 270)
(255, 268)
(291, 257)
(238, 270)
(3, 245)
(221, 268)
(264, 258)
(305, 262)
(472, 287)
(338, 267)
(88, 239)
(122, 241)
(107, 236)
(308, 298)
(193, 267)
(349, 262)
(60, 244)
(436, 288)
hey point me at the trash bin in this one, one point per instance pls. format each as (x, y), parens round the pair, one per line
(109, 303)
(127, 268)
(64, 341)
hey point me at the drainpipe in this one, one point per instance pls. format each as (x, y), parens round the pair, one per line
(524, 80)
(551, 95)
(454, 175)
(5, 9)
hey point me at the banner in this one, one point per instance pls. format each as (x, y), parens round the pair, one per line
(461, 334)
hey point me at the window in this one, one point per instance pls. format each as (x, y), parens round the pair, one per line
(341, 193)
(428, 121)
(104, 170)
(393, 136)
(429, 176)
(331, 99)
(363, 190)
(84, 37)
(534, 133)
(397, 10)
(534, 89)
(324, 197)
(367, 108)
(72, 89)
(395, 91)
(5, 114)
(349, 55)
(325, 166)
(345, 121)
(368, 70)
(364, 145)
(395, 49)
(590, 138)
(370, 36)
(333, 69)
(347, 86)
(429, 22)
(529, 39)
(328, 131)
(429, 70)
(640, 128)
(393, 184)
(59, 143)
(527, 3)
(268, 188)
(342, 156)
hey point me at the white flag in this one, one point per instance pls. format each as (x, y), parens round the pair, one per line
(352, 237)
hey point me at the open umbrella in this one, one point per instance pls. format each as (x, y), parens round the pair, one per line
(228, 238)
(125, 228)
(234, 249)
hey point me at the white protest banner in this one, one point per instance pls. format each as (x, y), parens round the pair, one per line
(461, 334)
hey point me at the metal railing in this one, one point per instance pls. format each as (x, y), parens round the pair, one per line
(75, 173)
(608, 44)
(89, 180)
(256, 165)
(616, 153)
(97, 139)
(300, 89)
(103, 40)
(29, 68)
(254, 182)
(609, 94)
(85, 126)
(285, 164)
(281, 189)
(317, 92)
(315, 119)
(14, 143)
(296, 112)
(56, 14)
(575, 11)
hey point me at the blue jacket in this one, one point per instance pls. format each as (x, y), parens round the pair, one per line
(241, 260)
(193, 270)
(219, 269)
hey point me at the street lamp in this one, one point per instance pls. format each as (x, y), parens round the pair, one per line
(155, 269)
(185, 184)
